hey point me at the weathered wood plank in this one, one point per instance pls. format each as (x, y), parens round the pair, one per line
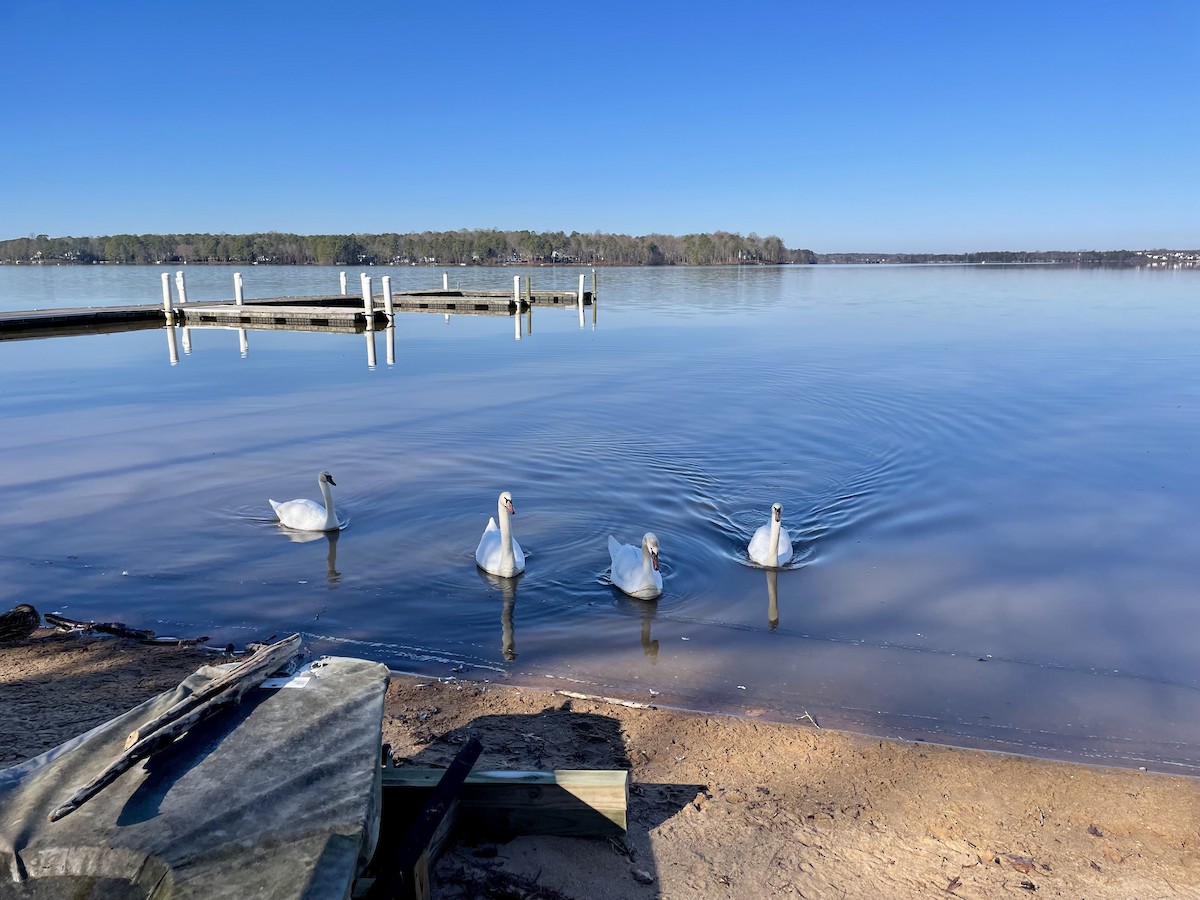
(562, 802)
(160, 732)
(403, 869)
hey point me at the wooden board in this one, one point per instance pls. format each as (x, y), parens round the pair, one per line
(562, 802)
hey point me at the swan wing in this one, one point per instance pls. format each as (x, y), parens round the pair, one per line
(785, 546)
(302, 515)
(489, 555)
(614, 547)
(759, 549)
(489, 545)
(764, 554)
(628, 574)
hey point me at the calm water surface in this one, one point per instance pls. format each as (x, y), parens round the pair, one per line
(988, 474)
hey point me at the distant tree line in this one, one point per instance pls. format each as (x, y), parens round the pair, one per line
(473, 247)
(492, 247)
(1061, 257)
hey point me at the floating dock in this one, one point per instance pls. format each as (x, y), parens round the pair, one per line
(325, 312)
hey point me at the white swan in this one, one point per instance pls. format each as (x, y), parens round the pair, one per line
(771, 545)
(636, 571)
(308, 515)
(498, 551)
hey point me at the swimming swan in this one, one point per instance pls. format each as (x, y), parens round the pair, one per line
(308, 515)
(771, 545)
(636, 572)
(498, 551)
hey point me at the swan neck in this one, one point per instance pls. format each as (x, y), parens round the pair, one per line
(506, 547)
(330, 517)
(773, 544)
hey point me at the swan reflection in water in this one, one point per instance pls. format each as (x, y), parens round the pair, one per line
(332, 575)
(508, 593)
(646, 610)
(773, 598)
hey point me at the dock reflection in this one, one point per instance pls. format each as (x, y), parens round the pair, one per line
(522, 325)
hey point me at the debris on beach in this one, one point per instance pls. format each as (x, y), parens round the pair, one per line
(18, 623)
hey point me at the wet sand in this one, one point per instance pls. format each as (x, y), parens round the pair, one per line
(719, 806)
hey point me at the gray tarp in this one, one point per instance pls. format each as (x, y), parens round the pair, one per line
(276, 797)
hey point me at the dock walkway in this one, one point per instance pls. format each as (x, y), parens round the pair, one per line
(325, 311)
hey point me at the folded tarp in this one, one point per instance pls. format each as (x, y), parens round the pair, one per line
(275, 797)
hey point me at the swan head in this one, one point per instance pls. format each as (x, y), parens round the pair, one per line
(777, 512)
(650, 545)
(326, 478)
(506, 503)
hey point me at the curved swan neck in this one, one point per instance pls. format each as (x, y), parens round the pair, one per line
(506, 546)
(330, 517)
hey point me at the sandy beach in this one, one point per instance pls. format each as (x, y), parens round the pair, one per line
(719, 806)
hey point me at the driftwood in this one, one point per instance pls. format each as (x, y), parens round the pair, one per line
(18, 623)
(120, 629)
(156, 734)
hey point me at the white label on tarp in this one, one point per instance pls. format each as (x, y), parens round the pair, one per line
(294, 681)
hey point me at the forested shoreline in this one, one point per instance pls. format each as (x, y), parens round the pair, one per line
(472, 247)
(507, 248)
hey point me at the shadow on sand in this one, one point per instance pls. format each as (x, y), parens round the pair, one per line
(487, 862)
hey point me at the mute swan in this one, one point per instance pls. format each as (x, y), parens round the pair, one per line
(771, 545)
(308, 515)
(498, 551)
(636, 572)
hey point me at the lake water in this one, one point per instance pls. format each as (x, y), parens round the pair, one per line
(989, 474)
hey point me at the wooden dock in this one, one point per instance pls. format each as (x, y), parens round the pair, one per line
(326, 312)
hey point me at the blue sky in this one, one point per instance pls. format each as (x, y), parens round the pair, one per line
(873, 126)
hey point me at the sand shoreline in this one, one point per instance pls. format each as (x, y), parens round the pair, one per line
(719, 806)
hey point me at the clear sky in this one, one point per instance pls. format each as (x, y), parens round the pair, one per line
(873, 126)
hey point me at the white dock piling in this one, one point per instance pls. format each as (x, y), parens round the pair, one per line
(368, 302)
(181, 286)
(388, 306)
(342, 277)
(580, 300)
(238, 293)
(166, 288)
(445, 281)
